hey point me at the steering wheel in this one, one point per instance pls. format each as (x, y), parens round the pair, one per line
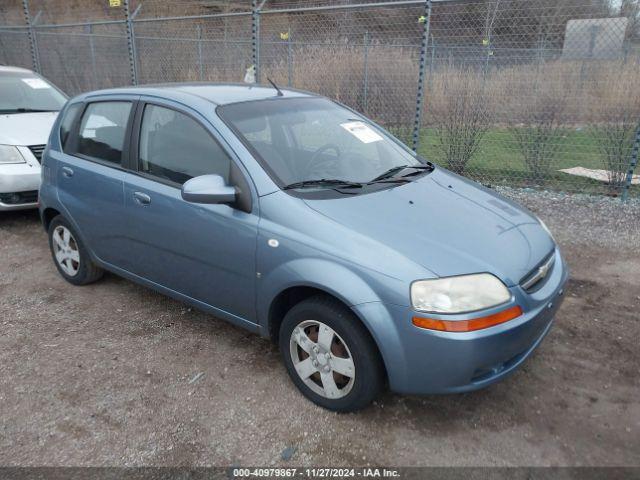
(315, 161)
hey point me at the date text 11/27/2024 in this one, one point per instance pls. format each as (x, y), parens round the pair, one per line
(315, 472)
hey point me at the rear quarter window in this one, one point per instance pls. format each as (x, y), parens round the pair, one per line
(66, 124)
(103, 129)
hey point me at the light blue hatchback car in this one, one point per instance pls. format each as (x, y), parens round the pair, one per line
(295, 217)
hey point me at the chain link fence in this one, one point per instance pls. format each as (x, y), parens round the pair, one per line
(539, 93)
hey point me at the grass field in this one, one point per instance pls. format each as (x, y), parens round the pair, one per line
(499, 162)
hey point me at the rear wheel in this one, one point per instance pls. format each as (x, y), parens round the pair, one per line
(330, 356)
(69, 255)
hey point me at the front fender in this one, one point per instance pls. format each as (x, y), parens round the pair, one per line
(348, 287)
(325, 275)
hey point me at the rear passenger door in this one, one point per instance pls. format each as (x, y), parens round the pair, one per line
(206, 252)
(90, 175)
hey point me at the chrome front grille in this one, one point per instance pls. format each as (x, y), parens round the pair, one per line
(37, 151)
(538, 276)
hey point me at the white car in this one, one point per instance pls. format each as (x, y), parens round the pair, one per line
(29, 105)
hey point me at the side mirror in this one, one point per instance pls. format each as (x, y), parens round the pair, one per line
(208, 189)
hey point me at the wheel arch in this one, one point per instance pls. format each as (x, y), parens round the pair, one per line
(47, 215)
(297, 279)
(293, 295)
(286, 300)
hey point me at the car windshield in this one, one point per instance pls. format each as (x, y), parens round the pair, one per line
(25, 92)
(302, 140)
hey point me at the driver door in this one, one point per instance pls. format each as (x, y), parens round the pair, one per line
(205, 252)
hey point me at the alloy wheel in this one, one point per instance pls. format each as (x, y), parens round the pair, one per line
(65, 249)
(322, 359)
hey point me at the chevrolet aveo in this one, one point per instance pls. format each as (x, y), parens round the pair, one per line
(295, 217)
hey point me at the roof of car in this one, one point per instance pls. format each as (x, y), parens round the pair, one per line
(8, 68)
(217, 93)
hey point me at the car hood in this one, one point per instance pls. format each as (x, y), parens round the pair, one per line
(448, 225)
(26, 128)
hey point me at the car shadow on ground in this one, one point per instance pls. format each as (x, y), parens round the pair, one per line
(12, 217)
(431, 413)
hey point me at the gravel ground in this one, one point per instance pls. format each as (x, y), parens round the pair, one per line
(115, 374)
(584, 219)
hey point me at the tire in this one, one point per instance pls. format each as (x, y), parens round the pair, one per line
(69, 254)
(352, 351)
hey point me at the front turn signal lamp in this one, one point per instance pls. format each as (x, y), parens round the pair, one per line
(471, 325)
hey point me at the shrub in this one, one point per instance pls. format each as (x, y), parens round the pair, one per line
(459, 108)
(616, 116)
(537, 122)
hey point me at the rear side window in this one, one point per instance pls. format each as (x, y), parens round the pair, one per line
(103, 129)
(67, 123)
(175, 147)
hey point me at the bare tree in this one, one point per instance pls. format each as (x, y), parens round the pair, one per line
(513, 23)
(631, 10)
(461, 115)
(615, 118)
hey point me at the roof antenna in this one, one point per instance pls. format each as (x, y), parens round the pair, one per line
(280, 94)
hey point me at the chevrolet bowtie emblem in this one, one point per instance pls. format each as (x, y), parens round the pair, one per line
(540, 273)
(543, 270)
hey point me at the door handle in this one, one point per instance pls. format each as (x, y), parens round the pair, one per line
(142, 198)
(67, 172)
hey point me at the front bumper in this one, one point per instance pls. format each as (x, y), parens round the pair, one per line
(19, 178)
(420, 361)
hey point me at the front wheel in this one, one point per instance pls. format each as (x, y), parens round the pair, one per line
(330, 356)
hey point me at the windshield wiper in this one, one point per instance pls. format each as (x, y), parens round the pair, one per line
(332, 182)
(389, 173)
(393, 170)
(26, 110)
(337, 183)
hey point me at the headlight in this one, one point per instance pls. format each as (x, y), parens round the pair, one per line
(10, 154)
(465, 293)
(546, 229)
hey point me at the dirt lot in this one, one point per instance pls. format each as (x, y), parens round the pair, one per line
(100, 375)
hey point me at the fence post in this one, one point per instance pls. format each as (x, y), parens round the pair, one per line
(632, 165)
(255, 37)
(365, 93)
(426, 22)
(487, 58)
(432, 62)
(92, 50)
(289, 58)
(131, 44)
(200, 66)
(33, 43)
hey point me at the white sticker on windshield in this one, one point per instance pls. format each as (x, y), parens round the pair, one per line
(361, 131)
(36, 83)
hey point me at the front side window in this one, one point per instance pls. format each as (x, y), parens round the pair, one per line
(175, 147)
(103, 129)
(307, 139)
(23, 92)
